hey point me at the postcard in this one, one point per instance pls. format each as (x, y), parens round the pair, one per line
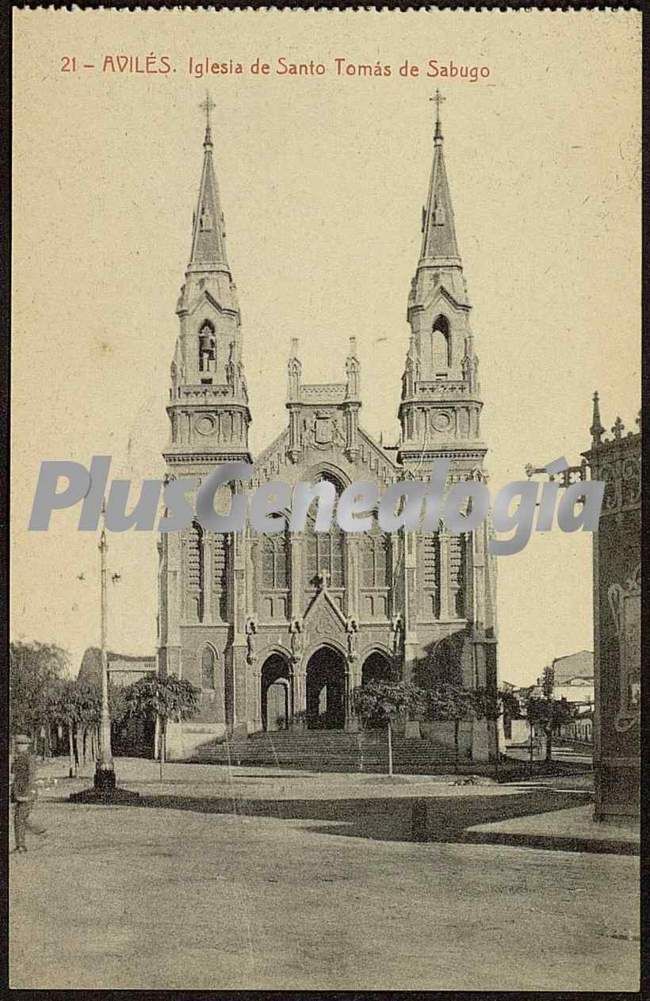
(325, 501)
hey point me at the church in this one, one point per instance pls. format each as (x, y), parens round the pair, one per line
(278, 630)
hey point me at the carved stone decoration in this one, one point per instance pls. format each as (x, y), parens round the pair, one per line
(251, 640)
(625, 605)
(297, 641)
(323, 619)
(324, 431)
(352, 629)
(441, 421)
(397, 629)
(205, 424)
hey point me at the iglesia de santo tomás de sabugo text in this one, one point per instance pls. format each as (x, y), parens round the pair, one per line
(279, 629)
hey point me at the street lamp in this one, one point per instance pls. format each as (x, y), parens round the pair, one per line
(104, 768)
(104, 788)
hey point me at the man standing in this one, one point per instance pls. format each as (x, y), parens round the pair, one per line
(23, 791)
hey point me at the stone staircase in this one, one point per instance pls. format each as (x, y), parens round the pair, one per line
(330, 751)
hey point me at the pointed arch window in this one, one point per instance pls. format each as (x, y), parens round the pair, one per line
(458, 573)
(193, 559)
(440, 345)
(275, 562)
(208, 669)
(207, 348)
(375, 559)
(324, 551)
(429, 574)
(220, 568)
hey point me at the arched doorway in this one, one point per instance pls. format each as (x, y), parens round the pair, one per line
(326, 690)
(377, 667)
(276, 687)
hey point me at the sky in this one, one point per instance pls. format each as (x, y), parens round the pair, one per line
(322, 181)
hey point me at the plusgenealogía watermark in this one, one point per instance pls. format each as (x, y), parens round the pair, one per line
(277, 507)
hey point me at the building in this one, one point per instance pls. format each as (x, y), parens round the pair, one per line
(278, 630)
(617, 618)
(573, 679)
(123, 669)
(573, 667)
(128, 736)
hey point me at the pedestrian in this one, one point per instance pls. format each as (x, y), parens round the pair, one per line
(23, 791)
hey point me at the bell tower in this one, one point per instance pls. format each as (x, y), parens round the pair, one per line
(208, 400)
(202, 574)
(441, 404)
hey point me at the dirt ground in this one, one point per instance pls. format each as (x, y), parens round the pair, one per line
(250, 879)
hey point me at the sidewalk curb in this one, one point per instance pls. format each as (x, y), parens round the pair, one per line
(552, 842)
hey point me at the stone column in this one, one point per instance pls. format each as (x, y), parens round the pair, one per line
(170, 601)
(410, 603)
(478, 577)
(351, 556)
(443, 541)
(295, 570)
(252, 544)
(255, 695)
(239, 644)
(299, 689)
(206, 579)
(351, 430)
(351, 722)
(393, 603)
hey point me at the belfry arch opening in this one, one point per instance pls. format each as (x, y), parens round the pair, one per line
(207, 347)
(441, 345)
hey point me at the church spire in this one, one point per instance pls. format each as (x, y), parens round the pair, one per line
(208, 236)
(440, 407)
(439, 266)
(438, 230)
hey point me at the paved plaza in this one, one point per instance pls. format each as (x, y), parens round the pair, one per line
(249, 878)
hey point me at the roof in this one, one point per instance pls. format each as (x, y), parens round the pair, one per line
(208, 236)
(91, 664)
(573, 665)
(439, 231)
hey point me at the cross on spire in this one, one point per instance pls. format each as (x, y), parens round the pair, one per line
(207, 106)
(438, 98)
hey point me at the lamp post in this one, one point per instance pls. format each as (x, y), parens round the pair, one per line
(104, 788)
(104, 768)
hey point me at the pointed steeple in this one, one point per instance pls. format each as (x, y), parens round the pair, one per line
(208, 410)
(209, 235)
(441, 404)
(596, 430)
(440, 265)
(438, 229)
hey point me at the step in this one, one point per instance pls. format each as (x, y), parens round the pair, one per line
(327, 750)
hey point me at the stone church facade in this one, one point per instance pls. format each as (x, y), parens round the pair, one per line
(278, 630)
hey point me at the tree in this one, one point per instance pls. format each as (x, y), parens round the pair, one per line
(76, 704)
(65, 711)
(383, 701)
(451, 702)
(34, 669)
(164, 699)
(510, 705)
(548, 682)
(549, 713)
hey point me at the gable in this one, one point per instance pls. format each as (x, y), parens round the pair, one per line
(323, 619)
